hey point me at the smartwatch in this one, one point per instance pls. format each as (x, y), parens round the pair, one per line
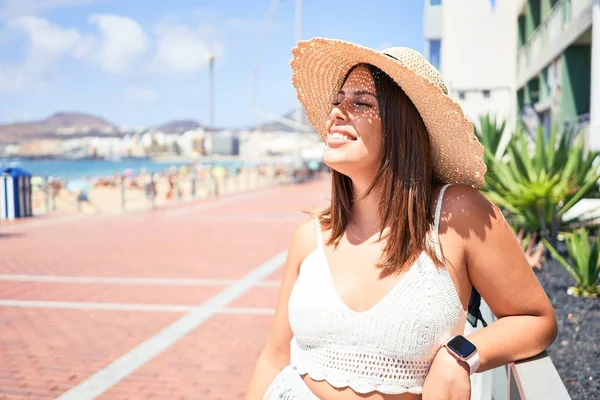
(462, 349)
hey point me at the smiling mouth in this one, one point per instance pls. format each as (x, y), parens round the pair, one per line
(341, 136)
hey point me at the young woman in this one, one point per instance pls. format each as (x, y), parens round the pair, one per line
(376, 286)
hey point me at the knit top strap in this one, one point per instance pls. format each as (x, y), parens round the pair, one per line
(436, 221)
(319, 234)
(438, 208)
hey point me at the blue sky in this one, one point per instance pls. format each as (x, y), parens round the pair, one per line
(143, 62)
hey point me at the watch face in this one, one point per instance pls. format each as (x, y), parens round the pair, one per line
(461, 346)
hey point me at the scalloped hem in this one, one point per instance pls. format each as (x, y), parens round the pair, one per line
(341, 383)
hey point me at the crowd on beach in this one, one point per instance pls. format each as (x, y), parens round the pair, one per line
(131, 189)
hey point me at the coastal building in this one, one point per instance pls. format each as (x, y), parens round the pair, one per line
(191, 142)
(40, 147)
(558, 64)
(473, 43)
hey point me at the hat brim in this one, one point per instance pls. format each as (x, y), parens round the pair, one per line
(318, 68)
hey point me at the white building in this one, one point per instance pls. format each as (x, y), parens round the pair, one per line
(474, 44)
(558, 64)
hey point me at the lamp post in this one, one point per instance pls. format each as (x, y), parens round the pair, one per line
(298, 117)
(211, 102)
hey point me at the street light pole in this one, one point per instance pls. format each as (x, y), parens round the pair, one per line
(298, 117)
(211, 102)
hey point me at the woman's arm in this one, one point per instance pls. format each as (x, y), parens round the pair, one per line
(498, 269)
(497, 266)
(276, 352)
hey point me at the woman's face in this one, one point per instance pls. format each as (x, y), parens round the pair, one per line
(354, 134)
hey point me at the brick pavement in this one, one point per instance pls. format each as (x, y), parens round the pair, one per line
(55, 335)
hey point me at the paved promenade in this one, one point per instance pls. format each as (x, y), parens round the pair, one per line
(167, 304)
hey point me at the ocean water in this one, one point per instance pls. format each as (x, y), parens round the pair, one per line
(71, 169)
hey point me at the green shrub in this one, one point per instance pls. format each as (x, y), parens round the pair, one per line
(536, 182)
(490, 133)
(585, 262)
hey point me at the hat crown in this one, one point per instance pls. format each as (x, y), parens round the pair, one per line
(416, 62)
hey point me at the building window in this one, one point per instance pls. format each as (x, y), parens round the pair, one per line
(462, 95)
(435, 2)
(486, 94)
(522, 31)
(554, 78)
(434, 52)
(545, 83)
(566, 11)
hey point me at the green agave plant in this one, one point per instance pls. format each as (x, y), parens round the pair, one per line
(585, 262)
(537, 183)
(490, 133)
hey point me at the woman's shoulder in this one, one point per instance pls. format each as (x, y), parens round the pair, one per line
(304, 239)
(458, 196)
(307, 230)
(466, 208)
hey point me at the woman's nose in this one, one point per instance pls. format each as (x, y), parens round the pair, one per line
(338, 113)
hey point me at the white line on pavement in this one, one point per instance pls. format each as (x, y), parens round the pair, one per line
(117, 370)
(77, 305)
(129, 281)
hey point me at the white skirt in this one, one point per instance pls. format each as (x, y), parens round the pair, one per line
(288, 385)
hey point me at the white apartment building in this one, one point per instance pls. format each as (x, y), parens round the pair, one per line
(474, 44)
(558, 64)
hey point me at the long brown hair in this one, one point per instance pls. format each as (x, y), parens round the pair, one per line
(405, 180)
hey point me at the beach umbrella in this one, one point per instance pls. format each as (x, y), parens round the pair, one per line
(128, 172)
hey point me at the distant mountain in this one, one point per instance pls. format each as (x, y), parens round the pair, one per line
(63, 123)
(74, 120)
(74, 124)
(179, 126)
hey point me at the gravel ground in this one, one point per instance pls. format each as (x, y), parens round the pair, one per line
(576, 351)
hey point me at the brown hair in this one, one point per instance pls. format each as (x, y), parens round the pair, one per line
(405, 177)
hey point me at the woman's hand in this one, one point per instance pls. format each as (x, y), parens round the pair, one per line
(448, 378)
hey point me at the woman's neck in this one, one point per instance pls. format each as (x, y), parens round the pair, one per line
(365, 210)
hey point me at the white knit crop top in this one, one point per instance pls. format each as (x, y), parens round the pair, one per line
(387, 348)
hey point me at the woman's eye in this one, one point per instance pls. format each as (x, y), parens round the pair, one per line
(358, 103)
(336, 103)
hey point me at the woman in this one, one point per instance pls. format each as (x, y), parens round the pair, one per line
(375, 290)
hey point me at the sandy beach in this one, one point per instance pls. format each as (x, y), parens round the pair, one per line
(110, 195)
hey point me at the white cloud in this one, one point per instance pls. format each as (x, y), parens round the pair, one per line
(384, 46)
(121, 43)
(47, 41)
(119, 46)
(182, 49)
(135, 94)
(11, 9)
(46, 44)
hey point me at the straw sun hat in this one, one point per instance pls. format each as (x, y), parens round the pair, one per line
(320, 65)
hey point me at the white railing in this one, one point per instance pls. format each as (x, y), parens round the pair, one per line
(578, 123)
(554, 23)
(532, 379)
(535, 379)
(536, 44)
(579, 6)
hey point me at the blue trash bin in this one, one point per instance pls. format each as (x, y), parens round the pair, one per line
(15, 193)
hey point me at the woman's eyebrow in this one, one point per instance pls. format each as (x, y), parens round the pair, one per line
(357, 93)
